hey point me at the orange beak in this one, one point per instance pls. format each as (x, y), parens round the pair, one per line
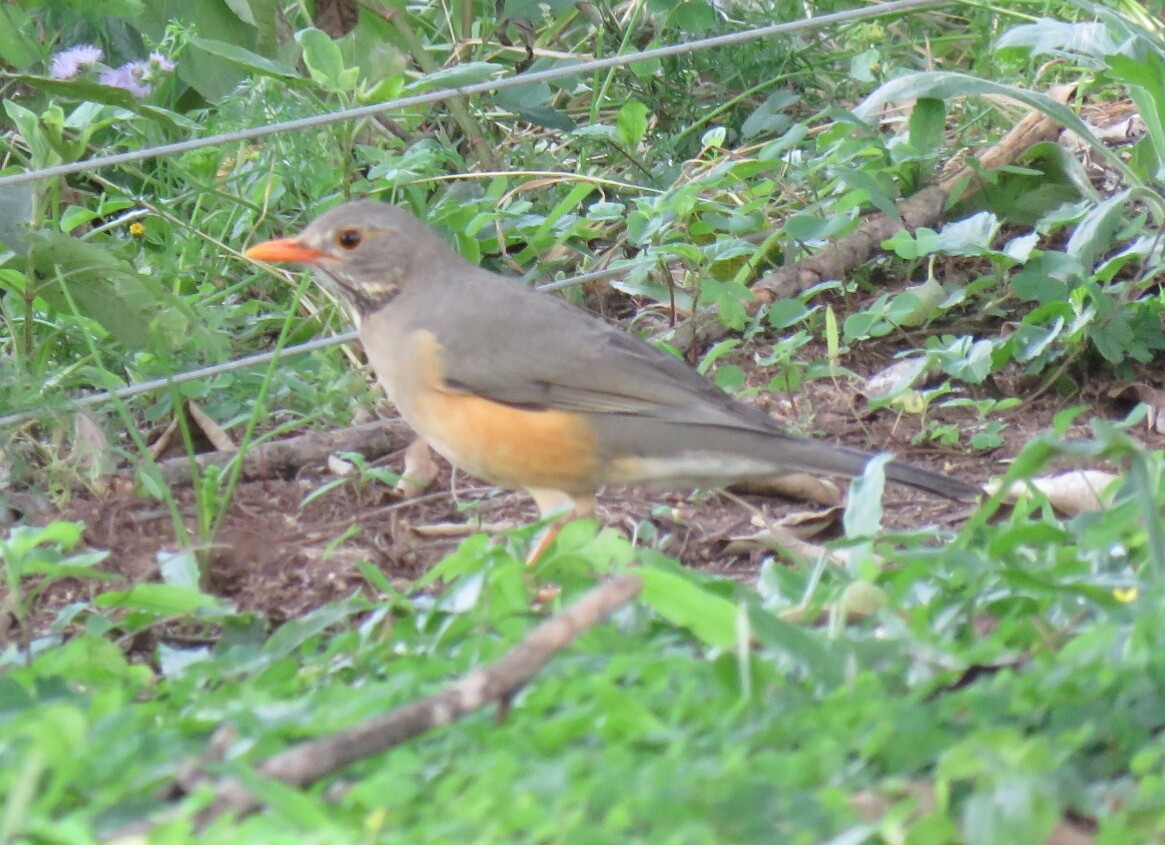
(284, 249)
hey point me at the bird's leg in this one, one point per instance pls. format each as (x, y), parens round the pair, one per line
(563, 506)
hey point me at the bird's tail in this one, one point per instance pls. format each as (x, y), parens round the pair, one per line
(816, 456)
(712, 455)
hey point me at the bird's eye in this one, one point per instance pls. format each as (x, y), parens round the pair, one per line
(349, 238)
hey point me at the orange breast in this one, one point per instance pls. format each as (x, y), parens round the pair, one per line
(511, 447)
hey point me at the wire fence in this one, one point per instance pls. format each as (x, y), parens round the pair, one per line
(582, 67)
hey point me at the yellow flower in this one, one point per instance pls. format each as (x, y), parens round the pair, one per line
(137, 229)
(1124, 594)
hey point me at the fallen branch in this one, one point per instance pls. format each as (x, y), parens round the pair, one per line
(309, 761)
(284, 458)
(837, 259)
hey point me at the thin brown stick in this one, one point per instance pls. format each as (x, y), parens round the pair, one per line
(284, 458)
(309, 761)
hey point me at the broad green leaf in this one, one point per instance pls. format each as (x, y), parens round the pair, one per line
(107, 289)
(970, 236)
(17, 50)
(807, 227)
(179, 569)
(33, 134)
(532, 9)
(1046, 278)
(917, 304)
(875, 191)
(1052, 37)
(532, 103)
(1045, 178)
(632, 123)
(928, 125)
(248, 60)
(1143, 69)
(692, 16)
(1095, 235)
(242, 8)
(457, 76)
(160, 599)
(680, 600)
(293, 633)
(770, 117)
(324, 60)
(1015, 809)
(714, 138)
(15, 217)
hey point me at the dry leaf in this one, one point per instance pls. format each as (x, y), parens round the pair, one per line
(338, 466)
(780, 538)
(203, 428)
(1070, 492)
(798, 485)
(337, 17)
(810, 524)
(800, 526)
(896, 378)
(218, 438)
(162, 445)
(90, 453)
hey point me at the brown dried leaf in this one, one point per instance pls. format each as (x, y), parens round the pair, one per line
(211, 429)
(896, 378)
(1070, 493)
(338, 466)
(162, 445)
(90, 453)
(781, 538)
(810, 524)
(337, 17)
(797, 485)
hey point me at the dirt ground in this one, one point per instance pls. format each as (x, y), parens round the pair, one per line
(281, 558)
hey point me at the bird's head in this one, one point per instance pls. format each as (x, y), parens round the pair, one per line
(365, 251)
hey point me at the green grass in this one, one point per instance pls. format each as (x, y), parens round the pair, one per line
(1012, 677)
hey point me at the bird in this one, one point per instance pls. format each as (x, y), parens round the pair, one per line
(526, 391)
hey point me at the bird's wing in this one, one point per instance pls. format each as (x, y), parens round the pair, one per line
(530, 349)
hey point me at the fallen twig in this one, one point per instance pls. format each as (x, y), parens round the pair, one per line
(284, 458)
(307, 762)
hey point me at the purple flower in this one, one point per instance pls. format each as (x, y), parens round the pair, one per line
(159, 63)
(68, 63)
(130, 76)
